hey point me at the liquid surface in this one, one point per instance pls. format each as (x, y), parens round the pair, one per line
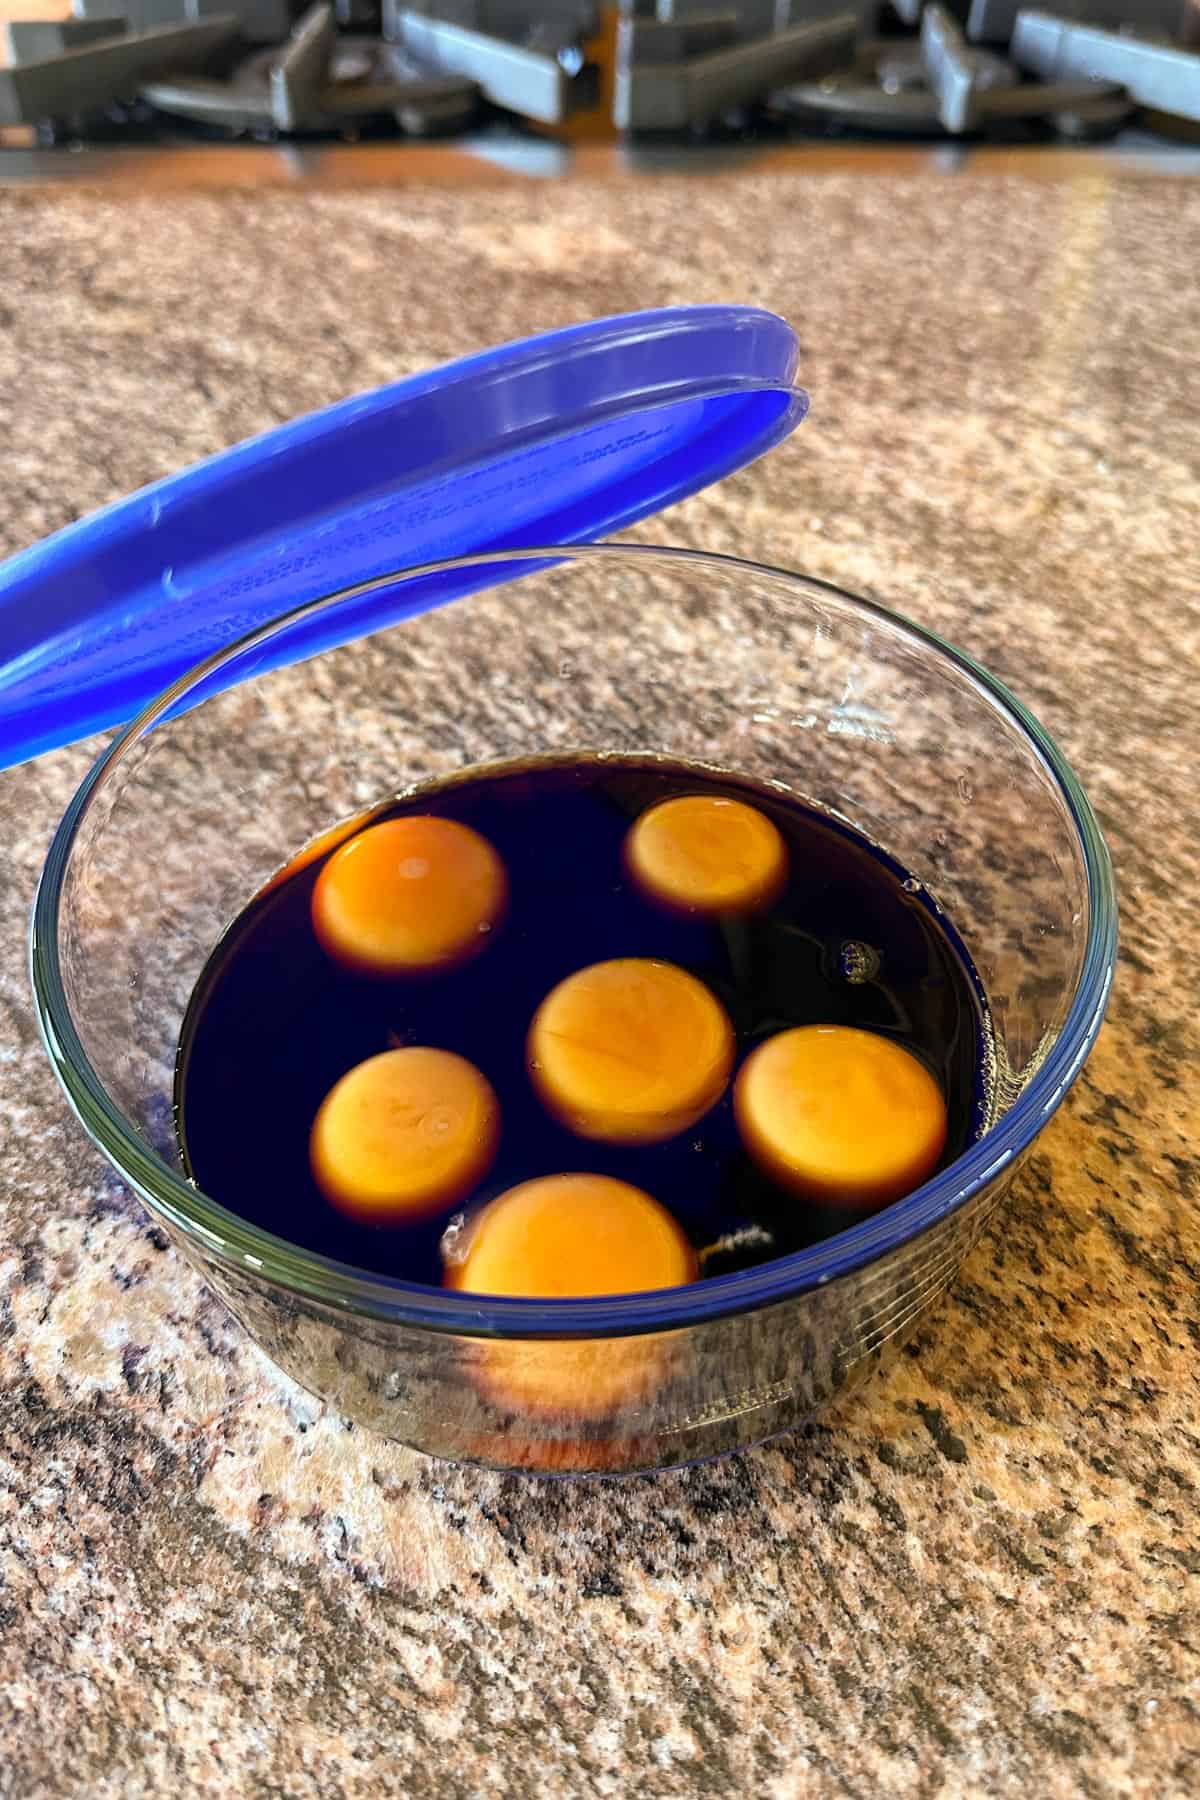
(275, 1021)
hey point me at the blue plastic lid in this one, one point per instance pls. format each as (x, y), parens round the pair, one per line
(560, 439)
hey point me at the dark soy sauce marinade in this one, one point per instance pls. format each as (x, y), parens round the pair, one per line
(274, 1021)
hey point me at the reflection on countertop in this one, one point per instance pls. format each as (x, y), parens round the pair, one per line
(504, 152)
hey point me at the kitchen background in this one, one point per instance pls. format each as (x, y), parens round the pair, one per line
(520, 80)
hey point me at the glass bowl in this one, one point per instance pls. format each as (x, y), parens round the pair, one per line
(616, 648)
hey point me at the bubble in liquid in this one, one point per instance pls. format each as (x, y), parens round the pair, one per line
(858, 962)
(912, 886)
(737, 1249)
(454, 1242)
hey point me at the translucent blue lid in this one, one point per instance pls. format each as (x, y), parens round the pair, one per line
(559, 439)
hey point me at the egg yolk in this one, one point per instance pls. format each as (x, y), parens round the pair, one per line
(631, 1051)
(405, 1134)
(839, 1115)
(566, 1236)
(572, 1236)
(706, 854)
(408, 895)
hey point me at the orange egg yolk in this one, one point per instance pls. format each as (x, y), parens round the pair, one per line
(839, 1115)
(632, 1051)
(706, 854)
(567, 1236)
(403, 1135)
(411, 894)
(572, 1236)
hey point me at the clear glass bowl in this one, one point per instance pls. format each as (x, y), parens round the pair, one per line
(615, 648)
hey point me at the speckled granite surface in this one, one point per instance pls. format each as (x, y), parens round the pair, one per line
(981, 1578)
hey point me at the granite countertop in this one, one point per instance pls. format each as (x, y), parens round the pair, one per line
(977, 1578)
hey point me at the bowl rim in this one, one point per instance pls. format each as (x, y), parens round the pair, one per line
(238, 1245)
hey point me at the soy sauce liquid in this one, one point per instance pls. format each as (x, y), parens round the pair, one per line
(273, 1022)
